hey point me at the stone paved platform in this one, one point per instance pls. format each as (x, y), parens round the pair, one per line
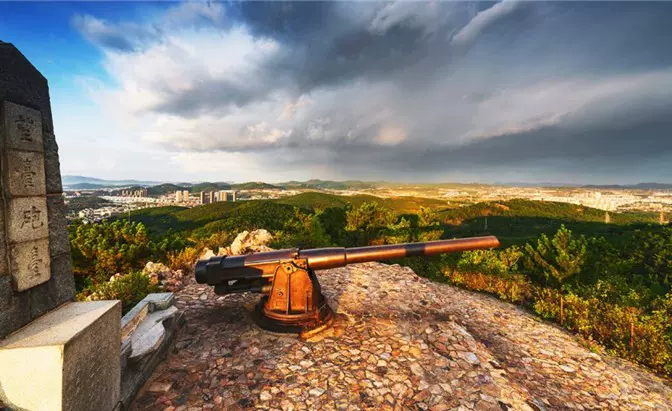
(411, 344)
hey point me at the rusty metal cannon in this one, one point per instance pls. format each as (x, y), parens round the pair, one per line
(293, 301)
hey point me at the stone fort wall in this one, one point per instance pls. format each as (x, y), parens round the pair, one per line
(35, 264)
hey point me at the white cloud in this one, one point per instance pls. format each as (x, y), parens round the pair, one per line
(426, 15)
(223, 98)
(482, 20)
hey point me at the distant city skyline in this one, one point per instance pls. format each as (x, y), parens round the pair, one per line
(528, 92)
(130, 182)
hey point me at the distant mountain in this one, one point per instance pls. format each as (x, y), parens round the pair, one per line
(539, 184)
(639, 186)
(72, 181)
(88, 186)
(329, 184)
(255, 185)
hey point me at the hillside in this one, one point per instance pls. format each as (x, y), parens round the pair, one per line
(255, 185)
(313, 200)
(543, 209)
(330, 185)
(200, 187)
(162, 189)
(514, 222)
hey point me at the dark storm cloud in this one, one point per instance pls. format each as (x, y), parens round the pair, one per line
(322, 47)
(422, 87)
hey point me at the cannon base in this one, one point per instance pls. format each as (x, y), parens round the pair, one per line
(295, 303)
(294, 324)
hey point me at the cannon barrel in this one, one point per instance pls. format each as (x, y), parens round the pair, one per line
(323, 258)
(246, 268)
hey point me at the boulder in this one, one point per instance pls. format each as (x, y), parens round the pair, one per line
(247, 242)
(160, 274)
(223, 251)
(206, 254)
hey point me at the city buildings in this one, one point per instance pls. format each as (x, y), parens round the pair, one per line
(181, 196)
(207, 197)
(134, 193)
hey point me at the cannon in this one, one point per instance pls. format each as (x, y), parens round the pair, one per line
(292, 299)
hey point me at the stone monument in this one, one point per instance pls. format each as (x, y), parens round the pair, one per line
(55, 354)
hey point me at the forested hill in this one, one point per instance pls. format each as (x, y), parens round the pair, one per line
(514, 221)
(162, 189)
(542, 209)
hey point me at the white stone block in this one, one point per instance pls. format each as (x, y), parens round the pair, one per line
(68, 359)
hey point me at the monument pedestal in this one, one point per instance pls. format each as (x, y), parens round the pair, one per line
(67, 359)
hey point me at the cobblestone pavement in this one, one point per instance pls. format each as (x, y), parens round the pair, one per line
(410, 344)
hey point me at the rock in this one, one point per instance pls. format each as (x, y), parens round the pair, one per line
(160, 386)
(316, 392)
(417, 369)
(223, 251)
(567, 368)
(255, 241)
(159, 273)
(265, 396)
(471, 358)
(414, 351)
(206, 254)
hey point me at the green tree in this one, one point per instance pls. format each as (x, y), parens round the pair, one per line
(558, 259)
(367, 223)
(429, 226)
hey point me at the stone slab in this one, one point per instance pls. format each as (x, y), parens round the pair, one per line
(160, 301)
(68, 359)
(25, 173)
(130, 321)
(135, 375)
(27, 219)
(30, 264)
(149, 334)
(23, 127)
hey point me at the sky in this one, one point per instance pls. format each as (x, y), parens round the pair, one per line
(565, 92)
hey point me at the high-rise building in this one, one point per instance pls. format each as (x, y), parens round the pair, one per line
(178, 196)
(185, 195)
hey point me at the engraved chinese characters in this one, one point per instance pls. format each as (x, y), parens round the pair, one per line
(26, 173)
(23, 128)
(26, 219)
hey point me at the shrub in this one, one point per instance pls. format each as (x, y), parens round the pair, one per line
(491, 261)
(512, 288)
(129, 288)
(183, 260)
